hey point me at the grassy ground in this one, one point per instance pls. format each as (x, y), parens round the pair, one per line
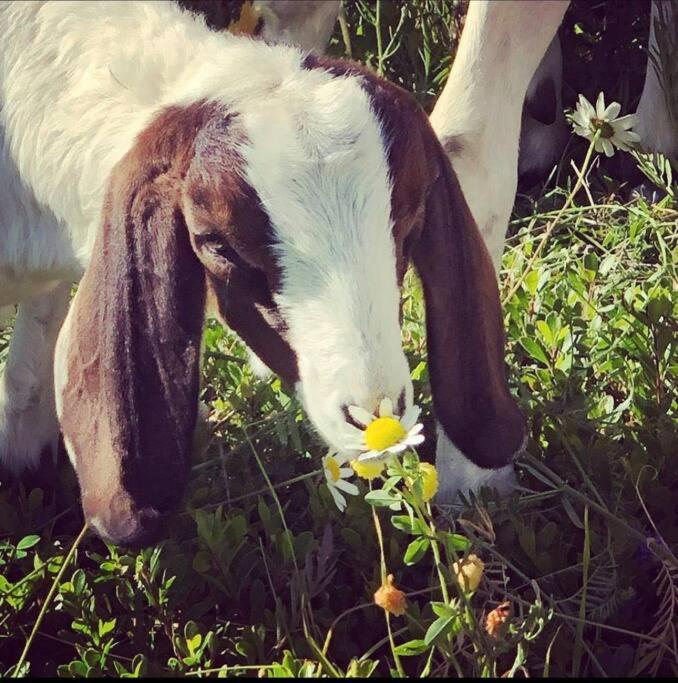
(261, 575)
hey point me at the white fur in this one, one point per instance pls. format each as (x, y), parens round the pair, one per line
(480, 107)
(80, 80)
(457, 474)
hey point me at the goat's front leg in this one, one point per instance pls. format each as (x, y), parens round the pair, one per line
(478, 114)
(28, 422)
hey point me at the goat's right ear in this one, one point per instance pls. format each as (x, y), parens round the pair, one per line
(465, 336)
(127, 364)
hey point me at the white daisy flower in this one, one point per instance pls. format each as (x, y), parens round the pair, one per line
(383, 434)
(335, 476)
(614, 132)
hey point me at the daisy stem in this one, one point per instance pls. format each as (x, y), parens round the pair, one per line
(554, 222)
(380, 538)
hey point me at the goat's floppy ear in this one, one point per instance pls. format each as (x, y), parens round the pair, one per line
(464, 327)
(128, 355)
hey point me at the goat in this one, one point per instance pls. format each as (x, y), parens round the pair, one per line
(143, 156)
(499, 116)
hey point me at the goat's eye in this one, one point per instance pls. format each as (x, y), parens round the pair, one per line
(222, 250)
(216, 246)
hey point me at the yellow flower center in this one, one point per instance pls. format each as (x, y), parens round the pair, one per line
(383, 433)
(332, 469)
(368, 470)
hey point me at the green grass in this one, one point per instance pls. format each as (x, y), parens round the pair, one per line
(261, 575)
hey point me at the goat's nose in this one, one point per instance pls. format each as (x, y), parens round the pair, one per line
(134, 528)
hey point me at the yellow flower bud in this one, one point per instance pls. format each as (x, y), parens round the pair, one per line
(429, 480)
(368, 470)
(389, 598)
(469, 572)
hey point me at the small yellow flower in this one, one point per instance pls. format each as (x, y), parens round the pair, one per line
(469, 572)
(368, 470)
(429, 480)
(389, 598)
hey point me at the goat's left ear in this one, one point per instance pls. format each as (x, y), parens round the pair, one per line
(127, 361)
(464, 326)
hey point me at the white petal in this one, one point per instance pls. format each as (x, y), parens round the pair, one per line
(398, 448)
(629, 136)
(341, 458)
(339, 500)
(410, 417)
(347, 487)
(607, 147)
(415, 430)
(345, 472)
(584, 132)
(626, 122)
(360, 415)
(599, 145)
(372, 455)
(612, 111)
(586, 108)
(414, 440)
(352, 432)
(386, 407)
(600, 105)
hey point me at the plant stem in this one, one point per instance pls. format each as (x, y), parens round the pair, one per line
(554, 222)
(48, 601)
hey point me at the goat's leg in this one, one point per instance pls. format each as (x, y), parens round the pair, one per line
(657, 129)
(478, 114)
(28, 422)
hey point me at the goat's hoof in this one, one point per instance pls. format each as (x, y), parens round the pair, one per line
(29, 440)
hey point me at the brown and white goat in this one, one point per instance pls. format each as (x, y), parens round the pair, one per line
(142, 155)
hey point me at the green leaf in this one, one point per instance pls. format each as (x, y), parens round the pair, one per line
(410, 525)
(457, 542)
(28, 542)
(381, 498)
(416, 550)
(534, 349)
(440, 609)
(411, 648)
(439, 628)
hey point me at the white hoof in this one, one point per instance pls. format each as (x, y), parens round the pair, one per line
(457, 474)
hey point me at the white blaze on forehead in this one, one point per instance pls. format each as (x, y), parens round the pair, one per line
(316, 157)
